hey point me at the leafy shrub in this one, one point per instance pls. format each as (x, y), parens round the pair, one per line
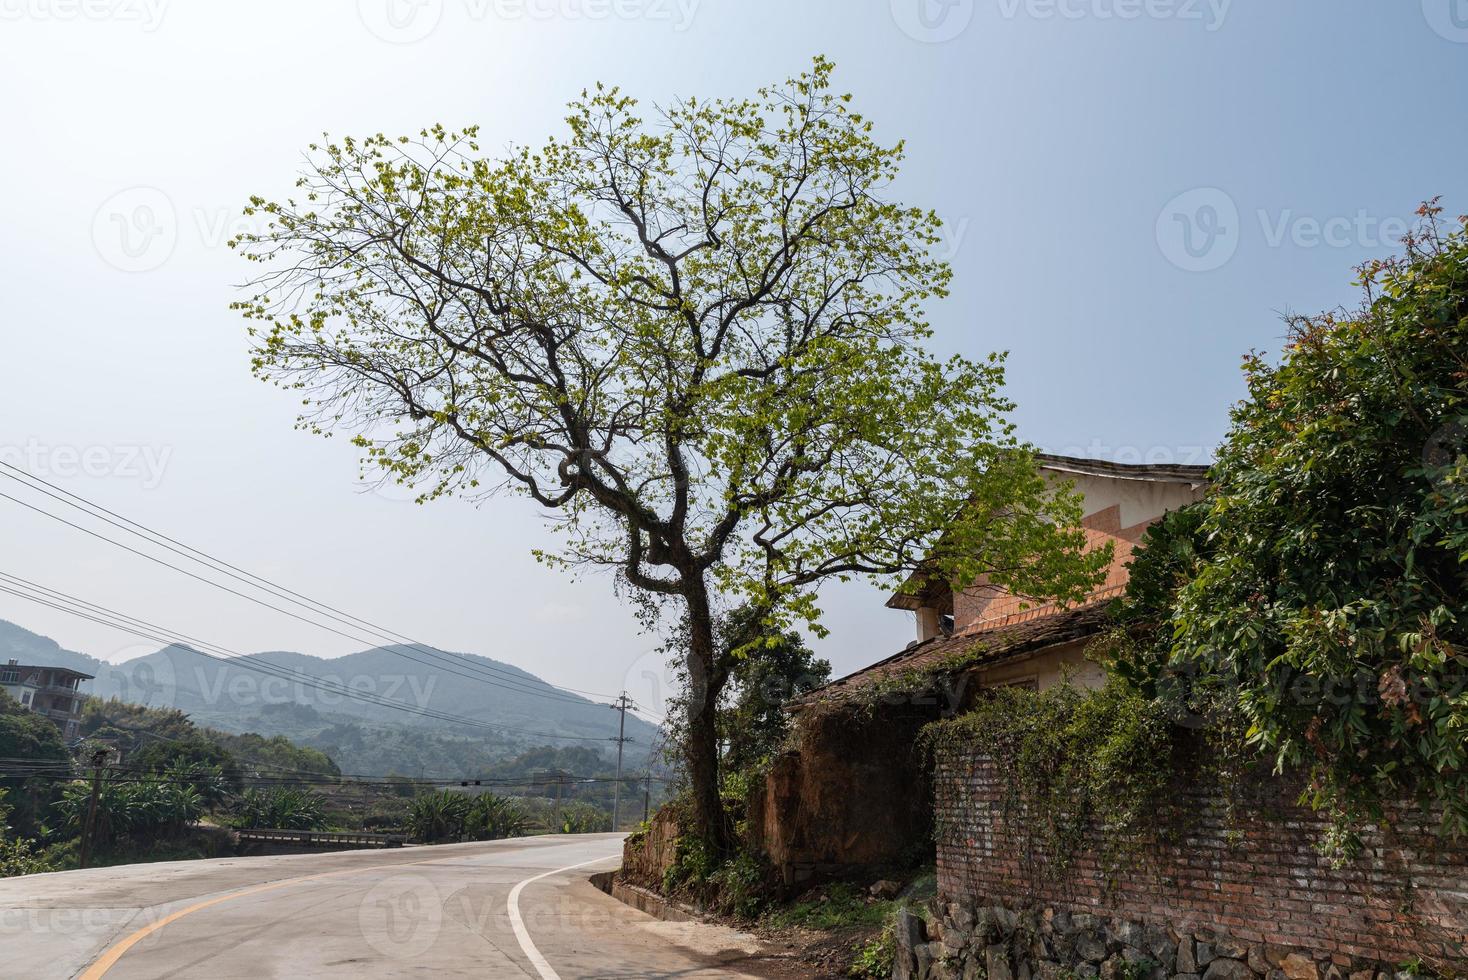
(741, 886)
(280, 808)
(18, 857)
(584, 818)
(495, 817)
(447, 816)
(141, 807)
(1327, 607)
(438, 817)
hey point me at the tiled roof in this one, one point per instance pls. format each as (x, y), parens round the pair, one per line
(986, 647)
(1158, 472)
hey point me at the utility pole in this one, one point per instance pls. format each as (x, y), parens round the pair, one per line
(99, 756)
(646, 793)
(623, 701)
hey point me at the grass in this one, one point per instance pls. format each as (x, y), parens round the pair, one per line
(839, 906)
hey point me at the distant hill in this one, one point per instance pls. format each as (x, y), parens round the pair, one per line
(231, 697)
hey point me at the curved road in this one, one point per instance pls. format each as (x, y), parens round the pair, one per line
(512, 908)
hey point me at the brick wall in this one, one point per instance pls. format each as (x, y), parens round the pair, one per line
(1256, 877)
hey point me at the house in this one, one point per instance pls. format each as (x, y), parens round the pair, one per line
(1012, 640)
(50, 691)
(853, 791)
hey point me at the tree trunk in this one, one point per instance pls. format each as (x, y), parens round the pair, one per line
(706, 678)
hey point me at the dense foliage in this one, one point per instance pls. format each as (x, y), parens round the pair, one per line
(280, 808)
(27, 736)
(140, 807)
(768, 669)
(1321, 592)
(446, 816)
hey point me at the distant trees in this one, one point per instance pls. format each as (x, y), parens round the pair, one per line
(31, 737)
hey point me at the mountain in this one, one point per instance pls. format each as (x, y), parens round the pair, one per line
(507, 709)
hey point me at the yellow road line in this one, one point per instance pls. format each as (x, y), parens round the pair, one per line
(109, 959)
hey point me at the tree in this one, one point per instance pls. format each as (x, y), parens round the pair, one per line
(698, 344)
(765, 672)
(1324, 592)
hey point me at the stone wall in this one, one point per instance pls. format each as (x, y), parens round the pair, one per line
(1242, 891)
(647, 857)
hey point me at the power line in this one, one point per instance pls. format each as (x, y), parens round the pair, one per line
(275, 590)
(158, 634)
(254, 599)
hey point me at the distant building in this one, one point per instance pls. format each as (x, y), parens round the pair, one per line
(50, 691)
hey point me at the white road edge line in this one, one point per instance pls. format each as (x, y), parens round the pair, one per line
(517, 924)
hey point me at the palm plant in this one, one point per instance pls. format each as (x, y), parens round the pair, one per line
(440, 816)
(280, 808)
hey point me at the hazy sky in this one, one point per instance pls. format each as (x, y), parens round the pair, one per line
(1134, 190)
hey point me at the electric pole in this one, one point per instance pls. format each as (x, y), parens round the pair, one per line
(99, 756)
(621, 706)
(646, 792)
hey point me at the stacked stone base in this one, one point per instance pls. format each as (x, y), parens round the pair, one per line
(965, 941)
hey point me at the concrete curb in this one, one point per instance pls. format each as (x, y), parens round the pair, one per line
(643, 899)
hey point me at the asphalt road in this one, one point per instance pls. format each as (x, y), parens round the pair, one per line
(515, 908)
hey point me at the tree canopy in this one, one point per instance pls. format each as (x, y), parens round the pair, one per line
(696, 340)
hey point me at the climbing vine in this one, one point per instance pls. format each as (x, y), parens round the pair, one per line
(1070, 758)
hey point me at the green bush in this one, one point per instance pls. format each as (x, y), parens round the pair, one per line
(18, 857)
(280, 808)
(837, 906)
(741, 886)
(444, 816)
(584, 818)
(139, 807)
(1324, 600)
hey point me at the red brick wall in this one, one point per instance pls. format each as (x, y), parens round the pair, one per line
(1258, 877)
